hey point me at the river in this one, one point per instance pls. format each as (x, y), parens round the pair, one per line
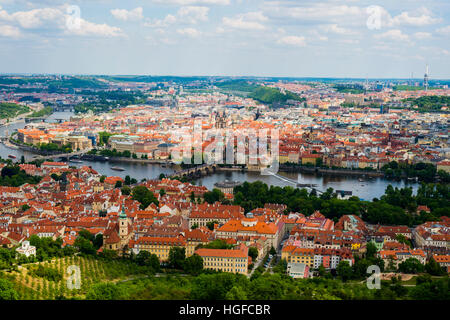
(367, 189)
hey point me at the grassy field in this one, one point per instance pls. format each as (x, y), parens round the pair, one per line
(32, 287)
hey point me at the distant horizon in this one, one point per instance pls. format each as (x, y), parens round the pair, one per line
(215, 76)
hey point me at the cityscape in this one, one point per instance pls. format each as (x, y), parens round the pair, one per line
(222, 187)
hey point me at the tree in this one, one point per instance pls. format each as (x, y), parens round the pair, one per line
(126, 190)
(211, 224)
(145, 258)
(213, 196)
(194, 226)
(433, 268)
(344, 270)
(118, 184)
(194, 264)
(371, 250)
(127, 180)
(253, 253)
(273, 251)
(7, 291)
(161, 176)
(102, 179)
(177, 255)
(25, 207)
(162, 192)
(104, 291)
(144, 196)
(322, 270)
(410, 265)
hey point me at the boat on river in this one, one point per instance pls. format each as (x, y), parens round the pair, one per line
(117, 169)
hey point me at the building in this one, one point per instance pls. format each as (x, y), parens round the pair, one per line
(227, 186)
(26, 249)
(250, 227)
(226, 260)
(159, 246)
(298, 270)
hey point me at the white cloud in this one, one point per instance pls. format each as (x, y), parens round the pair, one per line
(128, 15)
(334, 28)
(35, 18)
(9, 31)
(319, 11)
(246, 21)
(394, 35)
(190, 32)
(293, 41)
(444, 31)
(188, 15)
(422, 17)
(87, 28)
(192, 2)
(56, 20)
(192, 14)
(422, 35)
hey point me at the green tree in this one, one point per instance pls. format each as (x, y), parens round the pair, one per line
(410, 265)
(344, 270)
(177, 255)
(126, 190)
(433, 268)
(194, 264)
(104, 291)
(144, 196)
(253, 253)
(7, 291)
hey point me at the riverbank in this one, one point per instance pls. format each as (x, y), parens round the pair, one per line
(331, 172)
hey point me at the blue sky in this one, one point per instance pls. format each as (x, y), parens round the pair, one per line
(329, 38)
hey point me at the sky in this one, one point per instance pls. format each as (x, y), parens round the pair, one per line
(285, 38)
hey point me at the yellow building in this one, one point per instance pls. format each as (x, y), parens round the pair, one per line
(226, 260)
(444, 165)
(298, 255)
(159, 246)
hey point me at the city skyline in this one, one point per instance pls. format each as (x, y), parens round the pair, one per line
(335, 39)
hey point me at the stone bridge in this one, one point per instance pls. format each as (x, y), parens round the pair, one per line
(200, 170)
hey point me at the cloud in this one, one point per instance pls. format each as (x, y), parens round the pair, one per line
(293, 41)
(316, 12)
(334, 28)
(193, 2)
(422, 35)
(87, 28)
(394, 35)
(125, 15)
(55, 20)
(190, 32)
(422, 17)
(35, 18)
(192, 14)
(187, 15)
(444, 31)
(246, 21)
(9, 31)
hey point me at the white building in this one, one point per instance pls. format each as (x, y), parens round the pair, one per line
(26, 249)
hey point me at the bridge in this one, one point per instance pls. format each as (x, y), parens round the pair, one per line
(198, 170)
(296, 183)
(60, 155)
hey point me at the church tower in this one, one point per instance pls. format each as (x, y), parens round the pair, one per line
(123, 223)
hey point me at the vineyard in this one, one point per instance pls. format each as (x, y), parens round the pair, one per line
(51, 279)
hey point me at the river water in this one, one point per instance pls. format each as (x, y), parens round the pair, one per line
(367, 189)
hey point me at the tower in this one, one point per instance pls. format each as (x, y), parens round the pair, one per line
(425, 79)
(123, 223)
